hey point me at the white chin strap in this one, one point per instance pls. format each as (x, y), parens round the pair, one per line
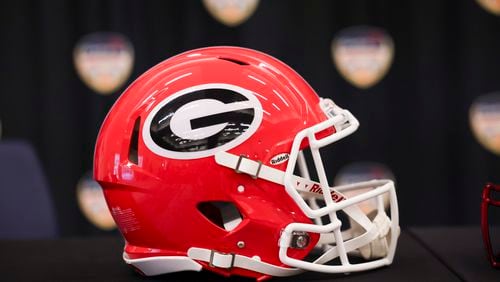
(228, 261)
(167, 264)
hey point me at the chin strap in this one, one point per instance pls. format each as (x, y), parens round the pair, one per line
(242, 164)
(167, 264)
(379, 246)
(228, 261)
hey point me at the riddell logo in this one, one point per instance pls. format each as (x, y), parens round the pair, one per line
(279, 159)
(316, 188)
(312, 187)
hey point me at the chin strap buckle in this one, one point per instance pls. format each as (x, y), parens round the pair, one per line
(238, 164)
(221, 260)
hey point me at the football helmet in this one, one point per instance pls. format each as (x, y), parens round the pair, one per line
(202, 165)
(488, 200)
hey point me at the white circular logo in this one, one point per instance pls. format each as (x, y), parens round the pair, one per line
(492, 6)
(362, 54)
(93, 204)
(231, 12)
(201, 120)
(104, 61)
(484, 115)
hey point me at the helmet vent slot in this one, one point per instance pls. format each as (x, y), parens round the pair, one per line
(134, 140)
(235, 61)
(223, 214)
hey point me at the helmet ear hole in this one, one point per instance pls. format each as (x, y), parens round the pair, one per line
(134, 140)
(223, 214)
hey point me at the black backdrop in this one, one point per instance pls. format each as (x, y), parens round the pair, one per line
(415, 120)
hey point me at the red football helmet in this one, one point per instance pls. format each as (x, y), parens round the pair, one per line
(197, 161)
(488, 200)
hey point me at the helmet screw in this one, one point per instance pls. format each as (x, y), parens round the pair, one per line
(241, 188)
(300, 240)
(240, 244)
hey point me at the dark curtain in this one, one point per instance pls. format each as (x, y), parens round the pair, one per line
(415, 120)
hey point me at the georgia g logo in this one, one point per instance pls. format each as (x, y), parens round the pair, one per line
(201, 120)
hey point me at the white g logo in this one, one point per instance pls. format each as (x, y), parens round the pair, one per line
(199, 121)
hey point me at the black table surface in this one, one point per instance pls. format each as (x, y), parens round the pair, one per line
(423, 254)
(461, 249)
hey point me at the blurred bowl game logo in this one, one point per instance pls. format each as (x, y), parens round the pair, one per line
(484, 116)
(362, 54)
(364, 171)
(93, 204)
(231, 12)
(492, 6)
(104, 61)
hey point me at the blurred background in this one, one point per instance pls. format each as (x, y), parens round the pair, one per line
(422, 77)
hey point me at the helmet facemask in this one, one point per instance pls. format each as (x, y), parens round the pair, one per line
(371, 234)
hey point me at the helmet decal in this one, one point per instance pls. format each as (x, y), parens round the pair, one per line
(201, 120)
(279, 159)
